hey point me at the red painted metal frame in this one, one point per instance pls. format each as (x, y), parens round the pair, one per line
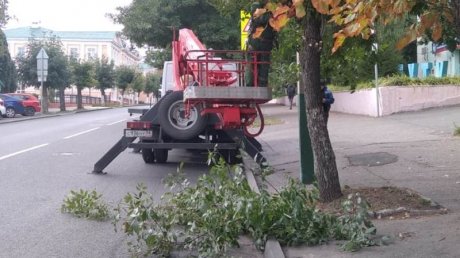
(193, 64)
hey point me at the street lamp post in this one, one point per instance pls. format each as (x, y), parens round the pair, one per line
(42, 73)
(375, 49)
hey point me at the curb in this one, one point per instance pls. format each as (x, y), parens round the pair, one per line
(272, 246)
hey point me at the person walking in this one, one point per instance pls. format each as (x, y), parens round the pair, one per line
(328, 99)
(291, 92)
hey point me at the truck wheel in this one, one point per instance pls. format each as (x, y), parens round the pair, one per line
(161, 155)
(148, 156)
(171, 115)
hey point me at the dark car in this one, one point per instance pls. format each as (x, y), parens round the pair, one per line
(13, 105)
(30, 102)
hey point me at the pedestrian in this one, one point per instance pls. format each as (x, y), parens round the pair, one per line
(291, 92)
(328, 99)
(261, 39)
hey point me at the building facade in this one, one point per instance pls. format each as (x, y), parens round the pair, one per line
(435, 60)
(82, 45)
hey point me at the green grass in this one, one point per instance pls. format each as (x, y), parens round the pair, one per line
(456, 130)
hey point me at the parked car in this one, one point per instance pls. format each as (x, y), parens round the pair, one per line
(30, 102)
(2, 109)
(13, 105)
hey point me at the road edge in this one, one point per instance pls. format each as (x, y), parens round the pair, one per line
(272, 246)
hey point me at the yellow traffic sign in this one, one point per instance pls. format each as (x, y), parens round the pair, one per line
(244, 25)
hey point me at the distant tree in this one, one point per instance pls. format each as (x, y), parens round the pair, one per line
(8, 77)
(58, 68)
(82, 77)
(152, 84)
(151, 22)
(105, 76)
(4, 17)
(157, 57)
(124, 77)
(138, 83)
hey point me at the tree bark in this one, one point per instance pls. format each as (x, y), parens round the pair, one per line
(62, 99)
(456, 14)
(79, 101)
(324, 159)
(104, 99)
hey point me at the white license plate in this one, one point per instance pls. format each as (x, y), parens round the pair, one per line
(138, 133)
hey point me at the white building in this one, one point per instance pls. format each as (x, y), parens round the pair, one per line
(436, 56)
(81, 45)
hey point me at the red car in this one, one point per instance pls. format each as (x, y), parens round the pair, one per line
(30, 102)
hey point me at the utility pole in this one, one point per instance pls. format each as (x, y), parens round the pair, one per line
(42, 73)
(307, 169)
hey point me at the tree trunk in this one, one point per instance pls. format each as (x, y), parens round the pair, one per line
(104, 99)
(456, 13)
(45, 100)
(323, 154)
(79, 101)
(62, 99)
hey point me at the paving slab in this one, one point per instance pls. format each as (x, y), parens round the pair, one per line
(416, 150)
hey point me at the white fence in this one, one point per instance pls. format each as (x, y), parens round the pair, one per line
(392, 99)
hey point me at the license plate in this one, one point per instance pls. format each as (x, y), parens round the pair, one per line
(138, 133)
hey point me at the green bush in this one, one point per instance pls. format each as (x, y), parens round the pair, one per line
(209, 217)
(402, 80)
(456, 130)
(85, 204)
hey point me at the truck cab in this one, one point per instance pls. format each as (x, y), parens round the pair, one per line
(167, 79)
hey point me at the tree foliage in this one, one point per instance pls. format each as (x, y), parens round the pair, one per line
(152, 84)
(138, 84)
(82, 77)
(157, 57)
(8, 77)
(105, 75)
(124, 77)
(59, 75)
(4, 17)
(439, 19)
(152, 22)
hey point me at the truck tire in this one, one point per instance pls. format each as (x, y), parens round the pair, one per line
(161, 155)
(148, 155)
(171, 115)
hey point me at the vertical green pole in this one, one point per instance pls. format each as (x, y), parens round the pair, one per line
(307, 169)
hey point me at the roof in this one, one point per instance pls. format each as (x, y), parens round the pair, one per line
(38, 32)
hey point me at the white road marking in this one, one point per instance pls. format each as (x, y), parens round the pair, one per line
(80, 133)
(117, 122)
(22, 151)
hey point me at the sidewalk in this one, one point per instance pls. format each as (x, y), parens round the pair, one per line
(427, 162)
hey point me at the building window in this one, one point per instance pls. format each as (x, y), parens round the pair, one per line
(74, 53)
(91, 53)
(21, 51)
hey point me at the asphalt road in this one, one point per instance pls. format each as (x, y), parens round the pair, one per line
(41, 160)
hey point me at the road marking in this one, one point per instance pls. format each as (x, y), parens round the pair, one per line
(80, 133)
(26, 150)
(117, 122)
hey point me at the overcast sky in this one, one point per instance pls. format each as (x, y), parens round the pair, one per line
(62, 15)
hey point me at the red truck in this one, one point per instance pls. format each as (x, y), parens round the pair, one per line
(205, 104)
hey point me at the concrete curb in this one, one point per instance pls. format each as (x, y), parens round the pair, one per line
(272, 247)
